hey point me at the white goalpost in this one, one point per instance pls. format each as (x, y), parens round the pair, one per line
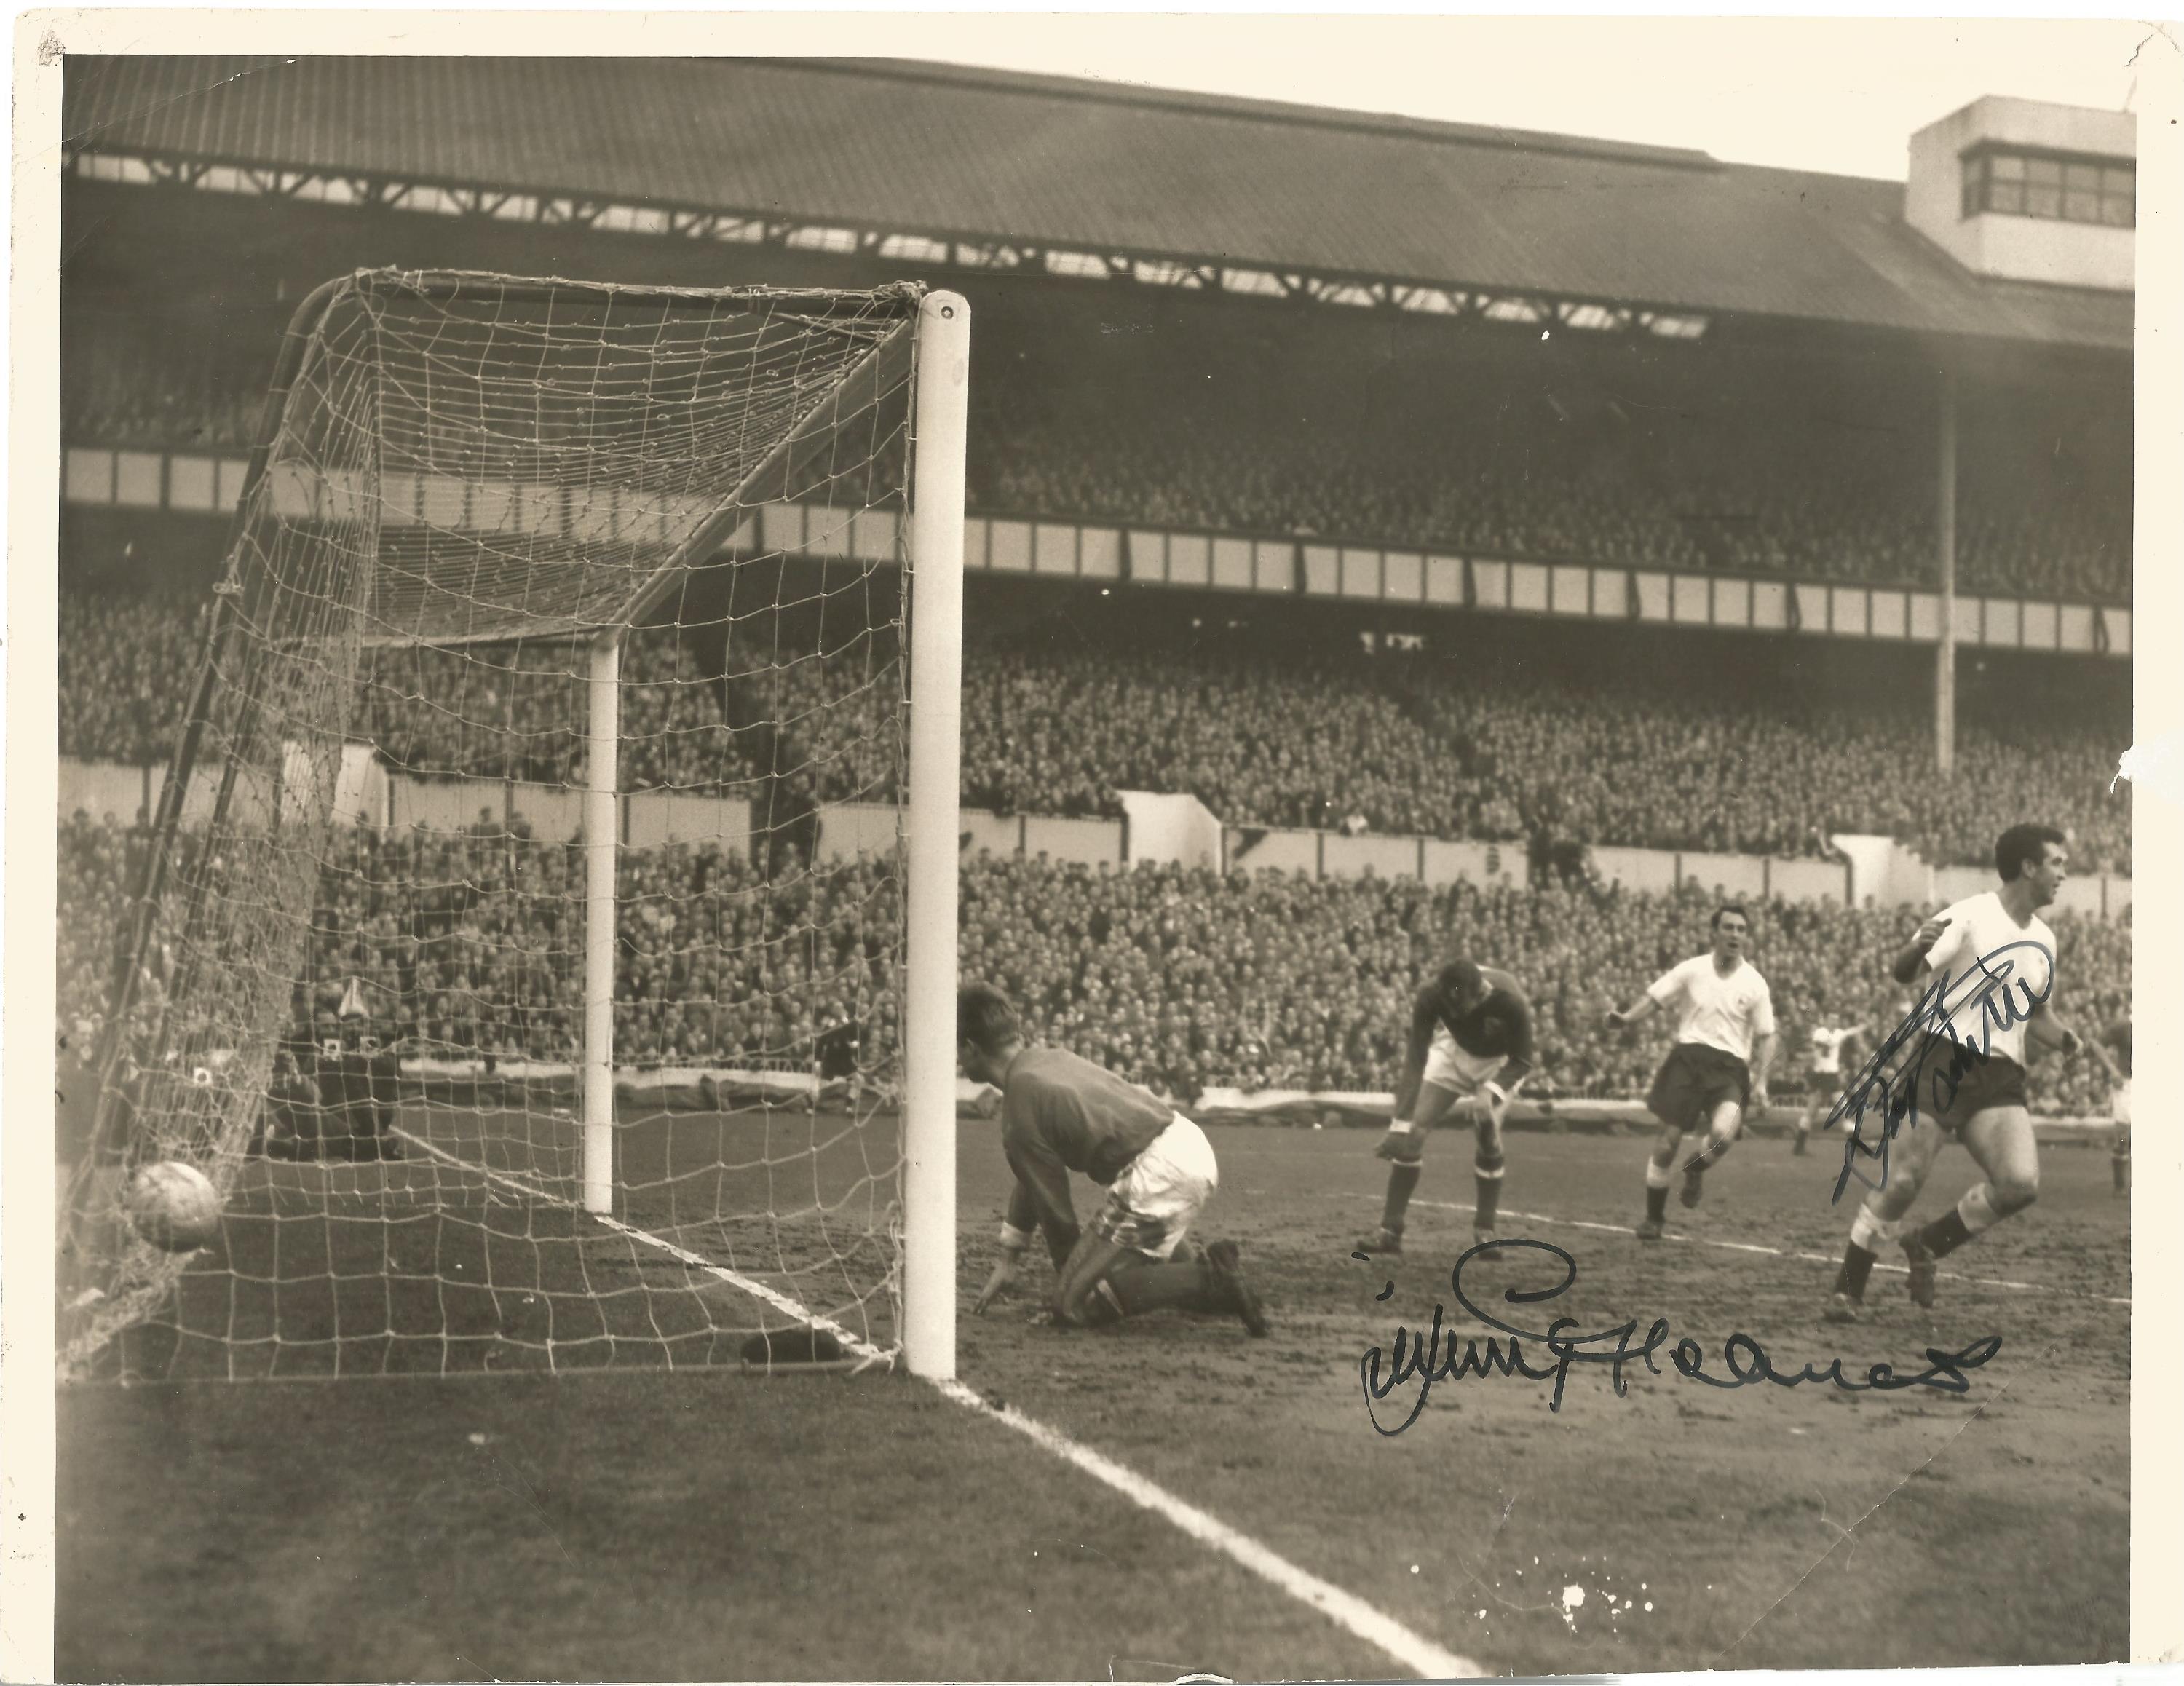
(935, 781)
(664, 586)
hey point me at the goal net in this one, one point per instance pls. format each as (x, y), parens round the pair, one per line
(521, 947)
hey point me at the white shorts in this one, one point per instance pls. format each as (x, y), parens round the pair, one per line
(1449, 1067)
(1150, 1205)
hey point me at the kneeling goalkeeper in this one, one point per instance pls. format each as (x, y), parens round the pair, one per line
(1060, 1114)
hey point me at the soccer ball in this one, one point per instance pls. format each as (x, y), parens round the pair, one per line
(174, 1206)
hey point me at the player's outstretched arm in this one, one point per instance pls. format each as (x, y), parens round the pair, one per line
(1005, 1271)
(1642, 1008)
(1040, 1199)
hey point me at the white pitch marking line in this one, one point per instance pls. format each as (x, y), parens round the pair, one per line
(1771, 1252)
(1413, 1650)
(1345, 1610)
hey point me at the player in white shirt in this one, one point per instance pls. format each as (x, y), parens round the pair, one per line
(1832, 1047)
(1966, 1080)
(1725, 1043)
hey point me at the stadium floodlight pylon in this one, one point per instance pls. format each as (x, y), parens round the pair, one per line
(657, 572)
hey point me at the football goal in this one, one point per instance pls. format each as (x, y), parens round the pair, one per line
(545, 940)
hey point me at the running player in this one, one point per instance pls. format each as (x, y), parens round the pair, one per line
(1831, 1047)
(1717, 1068)
(1060, 1114)
(1967, 1078)
(1471, 1041)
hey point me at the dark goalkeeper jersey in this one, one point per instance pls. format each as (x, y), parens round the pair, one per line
(1060, 1114)
(1500, 1024)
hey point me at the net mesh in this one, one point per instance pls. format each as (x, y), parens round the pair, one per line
(350, 986)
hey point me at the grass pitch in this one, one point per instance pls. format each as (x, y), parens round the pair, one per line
(632, 1524)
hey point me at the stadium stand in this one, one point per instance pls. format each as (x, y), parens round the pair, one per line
(1790, 443)
(1480, 749)
(1749, 465)
(125, 661)
(1180, 978)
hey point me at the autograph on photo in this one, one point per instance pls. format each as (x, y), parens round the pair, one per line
(1889, 1085)
(1434, 1356)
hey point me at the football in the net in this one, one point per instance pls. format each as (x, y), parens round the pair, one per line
(174, 1206)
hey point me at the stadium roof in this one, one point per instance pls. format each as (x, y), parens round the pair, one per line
(973, 155)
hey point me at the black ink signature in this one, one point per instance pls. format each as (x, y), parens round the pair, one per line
(2003, 999)
(1431, 1356)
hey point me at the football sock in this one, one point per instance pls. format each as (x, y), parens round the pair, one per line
(1975, 1212)
(1657, 1174)
(1978, 1210)
(1486, 1180)
(1402, 1182)
(1857, 1266)
(1657, 1202)
(1945, 1234)
(1175, 1285)
(1104, 1307)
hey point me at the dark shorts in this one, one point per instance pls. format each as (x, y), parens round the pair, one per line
(1953, 1089)
(1694, 1079)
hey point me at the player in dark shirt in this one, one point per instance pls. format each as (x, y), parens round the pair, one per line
(289, 1125)
(1471, 1041)
(359, 1077)
(1060, 1114)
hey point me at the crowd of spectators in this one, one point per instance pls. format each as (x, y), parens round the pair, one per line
(1260, 740)
(1398, 743)
(469, 943)
(519, 711)
(125, 662)
(1674, 763)
(1813, 471)
(1751, 488)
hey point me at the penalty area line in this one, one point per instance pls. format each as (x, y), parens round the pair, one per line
(1347, 1610)
(1771, 1252)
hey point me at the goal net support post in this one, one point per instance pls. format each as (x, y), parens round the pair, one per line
(602, 858)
